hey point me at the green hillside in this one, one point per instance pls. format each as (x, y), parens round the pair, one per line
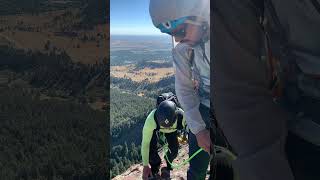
(49, 139)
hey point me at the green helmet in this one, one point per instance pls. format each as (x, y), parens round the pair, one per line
(166, 113)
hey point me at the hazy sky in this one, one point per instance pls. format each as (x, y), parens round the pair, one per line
(131, 17)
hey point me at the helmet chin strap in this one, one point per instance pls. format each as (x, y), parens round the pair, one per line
(205, 37)
(172, 40)
(202, 45)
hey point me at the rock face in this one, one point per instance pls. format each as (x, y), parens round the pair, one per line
(135, 171)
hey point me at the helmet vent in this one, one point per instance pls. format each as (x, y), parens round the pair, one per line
(167, 25)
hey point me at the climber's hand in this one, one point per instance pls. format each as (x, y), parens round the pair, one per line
(203, 139)
(146, 172)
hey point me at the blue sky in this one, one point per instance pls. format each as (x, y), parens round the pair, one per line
(131, 17)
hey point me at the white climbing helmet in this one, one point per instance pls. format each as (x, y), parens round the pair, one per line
(169, 14)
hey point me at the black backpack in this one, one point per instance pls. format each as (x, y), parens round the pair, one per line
(168, 96)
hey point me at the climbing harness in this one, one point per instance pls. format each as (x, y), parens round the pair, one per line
(183, 137)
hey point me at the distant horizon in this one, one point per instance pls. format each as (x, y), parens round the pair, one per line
(131, 17)
(150, 31)
(162, 35)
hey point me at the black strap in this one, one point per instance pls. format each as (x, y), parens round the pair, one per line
(316, 5)
(262, 6)
(268, 5)
(179, 115)
(202, 45)
(155, 118)
(259, 4)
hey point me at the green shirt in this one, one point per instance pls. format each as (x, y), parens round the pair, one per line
(149, 126)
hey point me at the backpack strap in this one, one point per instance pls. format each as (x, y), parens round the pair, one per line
(155, 119)
(179, 114)
(202, 46)
(276, 85)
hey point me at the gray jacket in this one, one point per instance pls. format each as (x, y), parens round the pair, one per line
(192, 82)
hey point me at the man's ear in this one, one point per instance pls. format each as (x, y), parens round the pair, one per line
(205, 31)
(205, 27)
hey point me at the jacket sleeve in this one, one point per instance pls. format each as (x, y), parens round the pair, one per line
(147, 133)
(184, 87)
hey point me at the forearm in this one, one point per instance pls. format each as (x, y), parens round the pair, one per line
(145, 146)
(147, 133)
(191, 103)
(145, 149)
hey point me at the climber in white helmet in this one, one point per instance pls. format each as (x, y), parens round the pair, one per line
(188, 22)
